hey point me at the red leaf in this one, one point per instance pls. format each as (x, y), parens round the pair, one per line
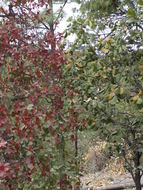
(3, 121)
(72, 138)
(2, 143)
(37, 121)
(38, 73)
(4, 169)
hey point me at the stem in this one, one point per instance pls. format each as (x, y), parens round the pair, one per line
(76, 147)
(51, 24)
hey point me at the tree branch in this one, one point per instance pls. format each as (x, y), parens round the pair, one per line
(4, 16)
(139, 26)
(61, 10)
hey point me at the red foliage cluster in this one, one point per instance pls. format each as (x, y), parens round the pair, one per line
(31, 91)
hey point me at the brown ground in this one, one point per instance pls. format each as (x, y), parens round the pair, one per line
(112, 173)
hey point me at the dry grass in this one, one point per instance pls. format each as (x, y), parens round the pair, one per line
(100, 168)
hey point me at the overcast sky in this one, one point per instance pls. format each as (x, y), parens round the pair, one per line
(68, 12)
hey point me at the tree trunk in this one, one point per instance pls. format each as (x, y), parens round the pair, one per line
(138, 180)
(137, 175)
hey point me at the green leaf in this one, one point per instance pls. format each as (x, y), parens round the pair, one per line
(139, 101)
(30, 107)
(140, 2)
(131, 13)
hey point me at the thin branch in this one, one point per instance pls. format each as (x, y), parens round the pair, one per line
(61, 10)
(129, 167)
(139, 26)
(10, 14)
(46, 27)
(138, 82)
(4, 16)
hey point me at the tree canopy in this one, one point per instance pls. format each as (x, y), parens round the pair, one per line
(37, 117)
(108, 74)
(49, 94)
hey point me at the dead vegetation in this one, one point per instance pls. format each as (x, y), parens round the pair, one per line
(101, 168)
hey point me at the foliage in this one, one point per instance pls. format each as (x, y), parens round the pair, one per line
(37, 117)
(108, 74)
